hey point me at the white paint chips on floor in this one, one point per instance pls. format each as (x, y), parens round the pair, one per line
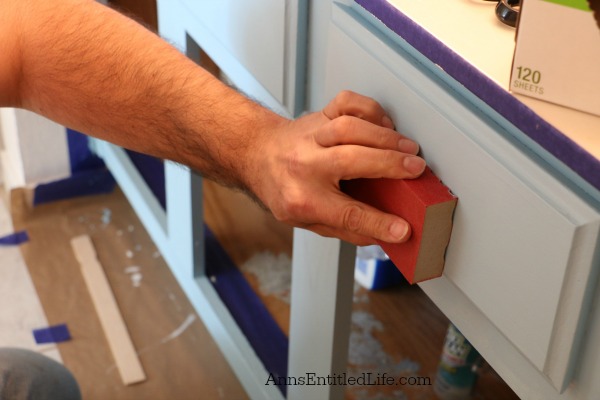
(135, 274)
(366, 352)
(273, 272)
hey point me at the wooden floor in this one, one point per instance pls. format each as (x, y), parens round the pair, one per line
(397, 331)
(178, 355)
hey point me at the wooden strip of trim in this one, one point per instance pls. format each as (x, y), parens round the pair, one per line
(121, 346)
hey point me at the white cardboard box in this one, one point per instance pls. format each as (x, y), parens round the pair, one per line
(557, 54)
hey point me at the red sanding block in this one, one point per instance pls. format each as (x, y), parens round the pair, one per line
(428, 206)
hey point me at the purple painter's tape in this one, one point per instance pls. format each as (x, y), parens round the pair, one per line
(52, 334)
(14, 239)
(258, 325)
(540, 131)
(85, 183)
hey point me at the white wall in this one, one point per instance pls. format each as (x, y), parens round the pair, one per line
(34, 149)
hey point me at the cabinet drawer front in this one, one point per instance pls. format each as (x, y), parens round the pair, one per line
(523, 245)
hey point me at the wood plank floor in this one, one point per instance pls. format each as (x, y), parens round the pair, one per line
(179, 357)
(398, 330)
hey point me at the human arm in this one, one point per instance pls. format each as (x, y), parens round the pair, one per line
(87, 67)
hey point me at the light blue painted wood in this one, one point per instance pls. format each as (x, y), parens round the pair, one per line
(241, 29)
(321, 308)
(265, 61)
(518, 225)
(185, 229)
(186, 259)
(184, 253)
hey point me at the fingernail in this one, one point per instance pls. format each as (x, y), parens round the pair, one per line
(387, 122)
(414, 165)
(408, 146)
(399, 230)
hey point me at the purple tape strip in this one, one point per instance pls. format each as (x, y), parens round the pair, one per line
(253, 318)
(52, 334)
(85, 183)
(14, 239)
(555, 142)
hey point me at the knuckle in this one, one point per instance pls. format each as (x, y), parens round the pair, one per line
(353, 218)
(391, 161)
(391, 158)
(383, 139)
(341, 125)
(345, 96)
(372, 107)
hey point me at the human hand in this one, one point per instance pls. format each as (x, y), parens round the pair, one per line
(302, 164)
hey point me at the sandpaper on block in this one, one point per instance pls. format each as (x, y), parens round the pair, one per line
(428, 206)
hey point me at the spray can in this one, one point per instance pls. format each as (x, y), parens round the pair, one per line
(457, 371)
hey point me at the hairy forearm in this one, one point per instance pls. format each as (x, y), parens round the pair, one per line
(87, 67)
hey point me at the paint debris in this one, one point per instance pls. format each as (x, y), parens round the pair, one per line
(361, 294)
(129, 254)
(186, 324)
(173, 299)
(273, 272)
(156, 254)
(365, 349)
(366, 353)
(138, 248)
(176, 333)
(135, 275)
(106, 216)
(130, 228)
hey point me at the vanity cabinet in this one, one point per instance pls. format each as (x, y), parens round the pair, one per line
(523, 260)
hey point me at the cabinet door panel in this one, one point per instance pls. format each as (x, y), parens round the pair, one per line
(241, 28)
(259, 45)
(523, 245)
